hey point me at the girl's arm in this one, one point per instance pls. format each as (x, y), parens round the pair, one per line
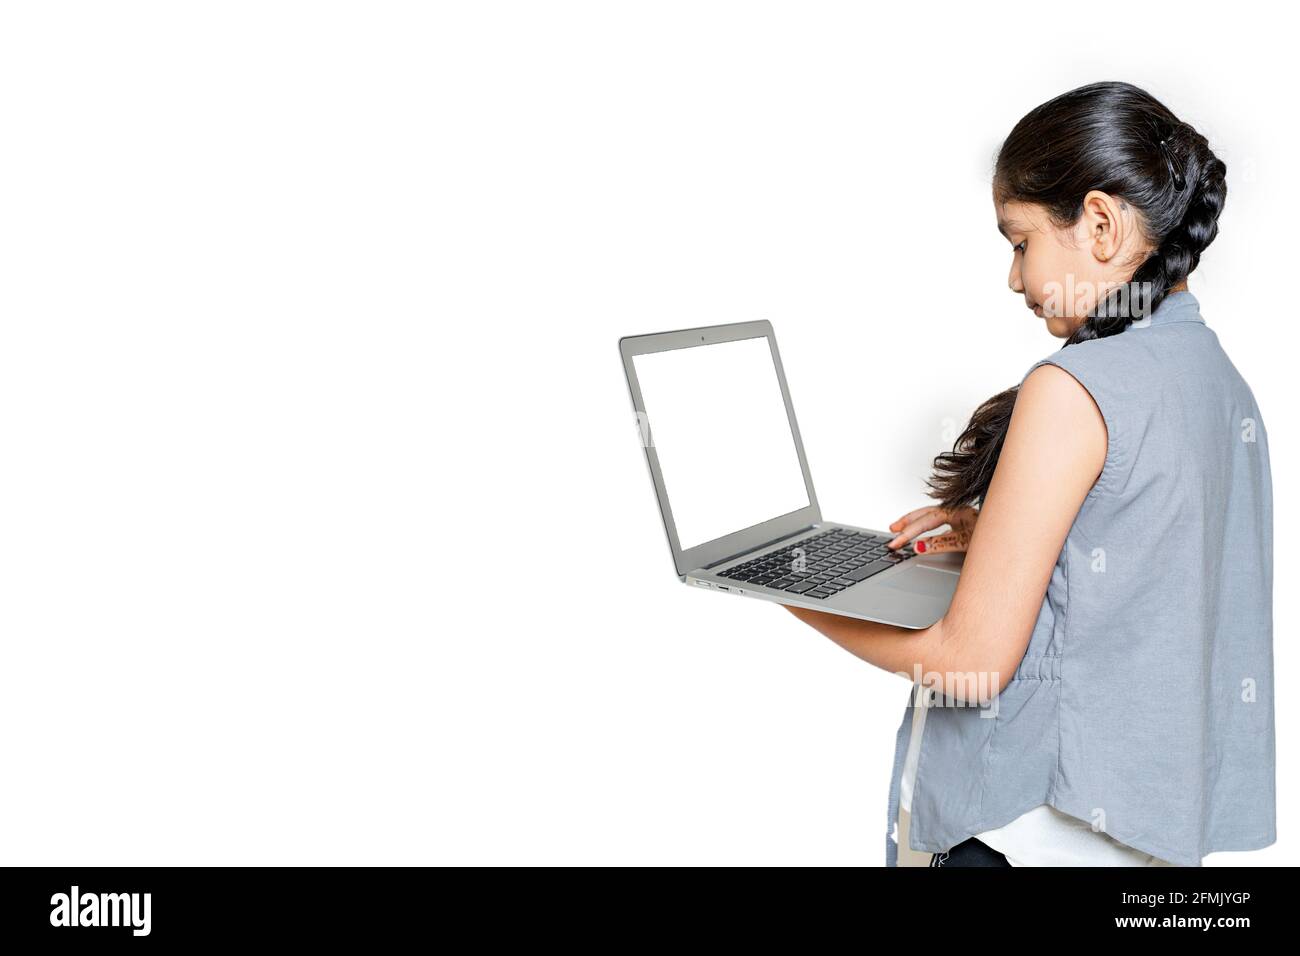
(1054, 451)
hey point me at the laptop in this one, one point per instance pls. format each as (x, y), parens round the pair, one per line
(714, 416)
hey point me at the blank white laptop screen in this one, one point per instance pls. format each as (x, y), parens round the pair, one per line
(719, 427)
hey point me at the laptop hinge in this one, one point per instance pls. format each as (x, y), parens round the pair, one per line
(759, 547)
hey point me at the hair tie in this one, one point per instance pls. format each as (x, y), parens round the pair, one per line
(1174, 169)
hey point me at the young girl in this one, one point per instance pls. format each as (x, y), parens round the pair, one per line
(1100, 691)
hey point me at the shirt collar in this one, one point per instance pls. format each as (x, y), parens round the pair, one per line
(1175, 307)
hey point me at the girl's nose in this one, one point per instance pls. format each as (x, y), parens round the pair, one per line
(1013, 280)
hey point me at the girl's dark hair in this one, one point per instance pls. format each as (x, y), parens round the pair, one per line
(1121, 140)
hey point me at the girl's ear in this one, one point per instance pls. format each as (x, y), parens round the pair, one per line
(1105, 224)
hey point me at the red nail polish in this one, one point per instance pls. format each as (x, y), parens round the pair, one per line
(920, 547)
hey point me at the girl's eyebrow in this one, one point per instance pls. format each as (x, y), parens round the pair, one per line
(1002, 228)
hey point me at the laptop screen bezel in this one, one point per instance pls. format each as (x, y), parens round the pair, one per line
(746, 539)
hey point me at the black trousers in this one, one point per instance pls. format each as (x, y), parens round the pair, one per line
(970, 852)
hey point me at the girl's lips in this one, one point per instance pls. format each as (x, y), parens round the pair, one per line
(1038, 311)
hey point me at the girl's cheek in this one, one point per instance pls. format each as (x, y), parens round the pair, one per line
(1033, 281)
(1043, 287)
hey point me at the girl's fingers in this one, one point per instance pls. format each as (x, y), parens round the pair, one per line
(954, 541)
(928, 521)
(911, 516)
(963, 519)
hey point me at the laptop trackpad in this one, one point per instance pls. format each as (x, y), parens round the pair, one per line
(930, 582)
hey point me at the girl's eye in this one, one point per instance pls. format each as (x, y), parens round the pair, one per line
(1020, 246)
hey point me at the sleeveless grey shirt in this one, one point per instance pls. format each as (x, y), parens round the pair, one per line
(1144, 702)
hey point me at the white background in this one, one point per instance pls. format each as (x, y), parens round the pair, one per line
(325, 534)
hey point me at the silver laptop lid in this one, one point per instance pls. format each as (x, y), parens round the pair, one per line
(720, 437)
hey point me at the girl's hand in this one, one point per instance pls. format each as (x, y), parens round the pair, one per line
(961, 520)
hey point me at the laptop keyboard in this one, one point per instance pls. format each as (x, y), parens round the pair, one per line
(820, 566)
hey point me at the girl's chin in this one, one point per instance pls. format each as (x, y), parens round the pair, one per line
(1059, 327)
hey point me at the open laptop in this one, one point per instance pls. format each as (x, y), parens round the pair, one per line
(728, 466)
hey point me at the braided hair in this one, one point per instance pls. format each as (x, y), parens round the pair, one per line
(1119, 139)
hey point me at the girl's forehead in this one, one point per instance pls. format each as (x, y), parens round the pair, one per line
(1016, 216)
